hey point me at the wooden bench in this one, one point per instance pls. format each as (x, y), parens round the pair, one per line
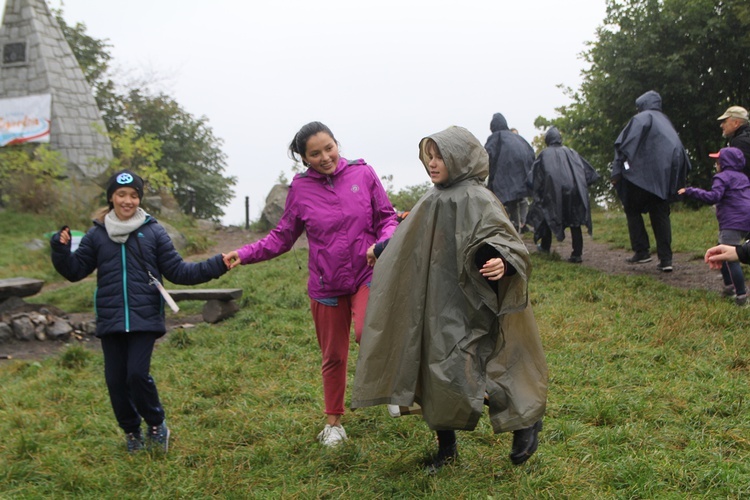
(220, 302)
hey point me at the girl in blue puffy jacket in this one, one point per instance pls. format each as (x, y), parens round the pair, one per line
(130, 252)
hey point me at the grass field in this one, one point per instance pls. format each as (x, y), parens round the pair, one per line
(646, 400)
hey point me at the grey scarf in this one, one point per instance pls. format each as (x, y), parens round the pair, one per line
(119, 230)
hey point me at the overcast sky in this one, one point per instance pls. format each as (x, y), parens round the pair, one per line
(381, 75)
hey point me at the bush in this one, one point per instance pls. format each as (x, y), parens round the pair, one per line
(30, 177)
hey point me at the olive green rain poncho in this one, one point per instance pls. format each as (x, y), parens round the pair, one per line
(435, 332)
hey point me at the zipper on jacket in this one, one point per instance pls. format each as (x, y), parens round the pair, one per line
(125, 289)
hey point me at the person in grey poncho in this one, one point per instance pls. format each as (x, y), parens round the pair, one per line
(650, 165)
(560, 178)
(448, 323)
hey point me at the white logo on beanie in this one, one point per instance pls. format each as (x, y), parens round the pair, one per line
(124, 178)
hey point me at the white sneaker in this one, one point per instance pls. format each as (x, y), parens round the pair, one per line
(394, 410)
(332, 435)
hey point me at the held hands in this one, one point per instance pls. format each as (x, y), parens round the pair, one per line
(681, 191)
(718, 254)
(371, 259)
(231, 259)
(493, 269)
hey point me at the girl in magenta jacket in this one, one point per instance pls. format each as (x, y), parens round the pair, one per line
(343, 208)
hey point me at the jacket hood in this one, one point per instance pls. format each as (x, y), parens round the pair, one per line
(651, 100)
(553, 137)
(731, 159)
(498, 123)
(463, 155)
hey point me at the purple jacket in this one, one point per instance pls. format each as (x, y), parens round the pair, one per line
(730, 192)
(343, 214)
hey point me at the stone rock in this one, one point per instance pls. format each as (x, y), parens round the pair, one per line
(23, 328)
(179, 241)
(152, 204)
(19, 287)
(11, 304)
(58, 328)
(40, 332)
(6, 333)
(89, 328)
(207, 225)
(274, 208)
(35, 244)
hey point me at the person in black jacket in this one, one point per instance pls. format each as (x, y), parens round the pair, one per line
(131, 252)
(735, 128)
(650, 165)
(510, 163)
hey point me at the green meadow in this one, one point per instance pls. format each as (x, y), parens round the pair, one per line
(647, 395)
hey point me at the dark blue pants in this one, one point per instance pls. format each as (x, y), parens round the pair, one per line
(132, 391)
(732, 274)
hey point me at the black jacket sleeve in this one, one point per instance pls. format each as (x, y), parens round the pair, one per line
(743, 252)
(73, 266)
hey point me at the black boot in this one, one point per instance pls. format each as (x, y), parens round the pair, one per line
(525, 443)
(447, 452)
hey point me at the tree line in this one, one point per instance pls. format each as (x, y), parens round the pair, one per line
(153, 134)
(693, 52)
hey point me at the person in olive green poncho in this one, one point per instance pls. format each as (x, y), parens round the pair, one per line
(448, 323)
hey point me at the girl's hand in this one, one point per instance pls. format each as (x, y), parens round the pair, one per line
(715, 256)
(65, 235)
(681, 191)
(371, 259)
(231, 259)
(493, 269)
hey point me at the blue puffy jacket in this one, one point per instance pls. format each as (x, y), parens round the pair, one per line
(124, 300)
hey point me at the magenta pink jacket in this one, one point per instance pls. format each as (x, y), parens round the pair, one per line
(343, 214)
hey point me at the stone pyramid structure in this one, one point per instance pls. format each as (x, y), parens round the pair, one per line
(36, 59)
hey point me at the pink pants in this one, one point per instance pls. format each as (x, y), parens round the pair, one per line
(333, 327)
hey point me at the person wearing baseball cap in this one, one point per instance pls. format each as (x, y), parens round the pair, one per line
(735, 128)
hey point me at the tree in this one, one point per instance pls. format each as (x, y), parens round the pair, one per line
(405, 199)
(190, 155)
(693, 52)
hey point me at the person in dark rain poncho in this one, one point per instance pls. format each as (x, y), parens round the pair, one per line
(560, 178)
(650, 165)
(510, 162)
(449, 321)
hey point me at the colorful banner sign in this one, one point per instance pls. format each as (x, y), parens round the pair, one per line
(25, 119)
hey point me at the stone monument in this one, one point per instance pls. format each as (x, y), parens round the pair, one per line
(37, 60)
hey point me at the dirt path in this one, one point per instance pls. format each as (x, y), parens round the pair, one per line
(689, 272)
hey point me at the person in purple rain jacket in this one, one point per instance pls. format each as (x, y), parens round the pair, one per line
(730, 192)
(344, 209)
